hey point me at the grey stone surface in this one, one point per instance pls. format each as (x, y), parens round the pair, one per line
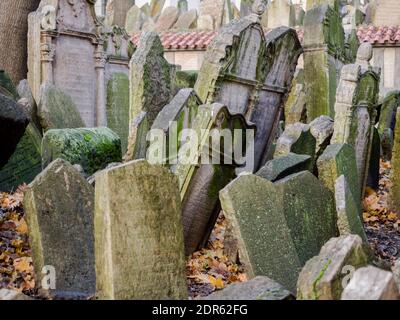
(8, 295)
(322, 130)
(167, 19)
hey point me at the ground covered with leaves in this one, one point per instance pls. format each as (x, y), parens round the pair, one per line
(208, 270)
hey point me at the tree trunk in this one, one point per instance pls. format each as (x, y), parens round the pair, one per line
(13, 36)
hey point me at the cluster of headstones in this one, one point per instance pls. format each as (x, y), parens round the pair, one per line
(127, 237)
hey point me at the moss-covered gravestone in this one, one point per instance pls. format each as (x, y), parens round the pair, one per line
(25, 163)
(13, 122)
(323, 276)
(279, 226)
(324, 56)
(118, 107)
(374, 161)
(59, 207)
(56, 110)
(138, 234)
(355, 109)
(395, 173)
(150, 90)
(387, 118)
(93, 148)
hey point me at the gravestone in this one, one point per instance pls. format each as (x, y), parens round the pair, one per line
(395, 173)
(56, 110)
(59, 207)
(187, 20)
(214, 9)
(116, 12)
(313, 3)
(355, 109)
(205, 22)
(284, 166)
(279, 226)
(295, 105)
(371, 283)
(387, 118)
(138, 234)
(322, 130)
(281, 13)
(13, 122)
(322, 276)
(167, 19)
(156, 7)
(251, 74)
(150, 90)
(348, 210)
(324, 56)
(92, 148)
(134, 20)
(183, 6)
(374, 161)
(385, 12)
(118, 107)
(66, 48)
(25, 163)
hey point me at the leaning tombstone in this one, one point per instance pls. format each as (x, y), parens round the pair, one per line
(134, 20)
(322, 130)
(92, 148)
(355, 109)
(59, 207)
(323, 277)
(142, 224)
(230, 74)
(265, 219)
(324, 56)
(187, 20)
(150, 90)
(116, 12)
(167, 19)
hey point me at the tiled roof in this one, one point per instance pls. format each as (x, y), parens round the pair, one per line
(199, 40)
(379, 35)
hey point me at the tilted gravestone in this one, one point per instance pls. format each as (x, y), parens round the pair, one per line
(279, 226)
(167, 19)
(134, 20)
(251, 74)
(93, 149)
(138, 233)
(324, 56)
(59, 206)
(13, 122)
(187, 20)
(69, 49)
(116, 12)
(355, 109)
(150, 90)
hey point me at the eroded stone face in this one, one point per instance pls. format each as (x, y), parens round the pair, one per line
(59, 206)
(395, 173)
(138, 234)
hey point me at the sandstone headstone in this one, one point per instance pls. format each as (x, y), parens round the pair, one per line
(187, 20)
(395, 173)
(324, 56)
(205, 22)
(167, 19)
(59, 207)
(25, 163)
(385, 12)
(150, 89)
(233, 66)
(13, 122)
(116, 12)
(371, 283)
(348, 210)
(281, 13)
(56, 110)
(355, 109)
(215, 9)
(134, 20)
(322, 278)
(93, 148)
(138, 234)
(295, 105)
(259, 288)
(322, 130)
(284, 166)
(118, 107)
(156, 7)
(279, 226)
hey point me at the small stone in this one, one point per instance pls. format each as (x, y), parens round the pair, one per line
(6, 294)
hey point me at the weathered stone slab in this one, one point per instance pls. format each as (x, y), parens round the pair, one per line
(395, 173)
(214, 9)
(59, 207)
(56, 110)
(242, 63)
(116, 12)
(374, 161)
(13, 122)
(322, 130)
(156, 7)
(138, 234)
(297, 138)
(187, 20)
(337, 160)
(25, 92)
(118, 107)
(387, 118)
(348, 210)
(259, 288)
(279, 226)
(134, 20)
(8, 295)
(284, 166)
(322, 278)
(371, 283)
(25, 163)
(295, 105)
(281, 13)
(355, 109)
(93, 148)
(167, 19)
(150, 89)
